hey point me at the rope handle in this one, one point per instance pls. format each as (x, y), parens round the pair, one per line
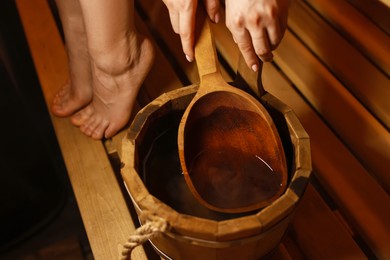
(153, 226)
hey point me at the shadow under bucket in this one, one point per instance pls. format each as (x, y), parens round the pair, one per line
(152, 174)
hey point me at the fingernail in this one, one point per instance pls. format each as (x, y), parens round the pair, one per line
(188, 58)
(255, 67)
(216, 18)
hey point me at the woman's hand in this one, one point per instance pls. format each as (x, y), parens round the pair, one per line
(182, 14)
(257, 27)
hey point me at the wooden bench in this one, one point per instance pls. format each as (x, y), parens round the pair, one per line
(332, 68)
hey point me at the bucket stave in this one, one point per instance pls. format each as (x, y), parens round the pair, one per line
(250, 236)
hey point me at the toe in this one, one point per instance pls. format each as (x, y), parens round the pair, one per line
(89, 126)
(114, 128)
(82, 116)
(77, 119)
(85, 129)
(99, 131)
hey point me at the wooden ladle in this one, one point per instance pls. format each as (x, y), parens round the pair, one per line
(230, 151)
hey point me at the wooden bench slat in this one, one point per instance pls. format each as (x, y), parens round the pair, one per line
(355, 191)
(318, 232)
(358, 75)
(385, 2)
(358, 29)
(357, 194)
(373, 150)
(349, 184)
(281, 254)
(360, 199)
(291, 246)
(369, 140)
(107, 224)
(375, 11)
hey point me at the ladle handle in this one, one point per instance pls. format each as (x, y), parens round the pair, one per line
(205, 51)
(247, 76)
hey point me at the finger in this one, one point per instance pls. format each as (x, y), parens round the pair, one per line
(212, 8)
(274, 33)
(186, 31)
(261, 44)
(244, 43)
(174, 17)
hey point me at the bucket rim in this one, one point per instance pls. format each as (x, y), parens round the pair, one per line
(260, 221)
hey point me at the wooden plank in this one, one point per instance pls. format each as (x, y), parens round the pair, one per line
(345, 114)
(66, 249)
(375, 11)
(286, 93)
(354, 189)
(358, 29)
(357, 194)
(292, 247)
(385, 2)
(280, 254)
(319, 233)
(358, 75)
(102, 206)
(338, 107)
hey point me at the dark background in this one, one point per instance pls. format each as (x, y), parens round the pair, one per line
(37, 205)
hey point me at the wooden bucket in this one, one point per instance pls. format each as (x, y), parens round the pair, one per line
(250, 236)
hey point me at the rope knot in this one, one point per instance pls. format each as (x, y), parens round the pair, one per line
(152, 227)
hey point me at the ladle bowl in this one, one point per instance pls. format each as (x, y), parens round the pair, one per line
(230, 151)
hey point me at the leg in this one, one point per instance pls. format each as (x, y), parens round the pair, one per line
(120, 60)
(78, 92)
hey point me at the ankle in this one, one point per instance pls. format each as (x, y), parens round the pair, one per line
(118, 57)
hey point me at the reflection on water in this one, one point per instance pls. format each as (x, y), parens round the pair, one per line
(230, 154)
(163, 178)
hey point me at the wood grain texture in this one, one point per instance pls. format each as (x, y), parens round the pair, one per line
(358, 75)
(385, 2)
(315, 229)
(358, 29)
(352, 187)
(102, 206)
(349, 145)
(362, 132)
(376, 11)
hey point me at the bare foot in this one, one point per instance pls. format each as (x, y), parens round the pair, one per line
(78, 92)
(115, 88)
(70, 98)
